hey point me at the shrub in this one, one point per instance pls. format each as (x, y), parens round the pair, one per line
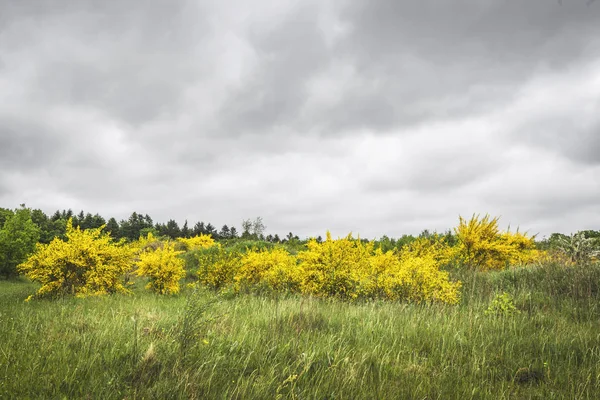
(217, 266)
(197, 242)
(523, 249)
(502, 305)
(421, 279)
(434, 245)
(276, 269)
(353, 269)
(578, 248)
(87, 263)
(482, 246)
(335, 267)
(164, 268)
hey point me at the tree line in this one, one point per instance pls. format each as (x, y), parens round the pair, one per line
(139, 224)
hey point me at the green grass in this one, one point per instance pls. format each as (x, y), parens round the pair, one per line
(198, 345)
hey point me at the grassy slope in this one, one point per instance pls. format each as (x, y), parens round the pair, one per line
(201, 346)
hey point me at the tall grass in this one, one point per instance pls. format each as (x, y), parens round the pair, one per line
(199, 345)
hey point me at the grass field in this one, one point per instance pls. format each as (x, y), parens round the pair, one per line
(200, 345)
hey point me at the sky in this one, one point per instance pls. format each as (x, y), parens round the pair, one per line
(384, 117)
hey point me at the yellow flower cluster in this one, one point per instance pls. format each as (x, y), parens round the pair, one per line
(482, 246)
(161, 265)
(275, 269)
(87, 263)
(352, 268)
(197, 242)
(346, 268)
(217, 266)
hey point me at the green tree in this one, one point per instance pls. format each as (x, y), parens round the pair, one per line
(225, 232)
(132, 227)
(211, 230)
(185, 230)
(5, 214)
(246, 227)
(112, 228)
(18, 237)
(49, 229)
(172, 229)
(199, 229)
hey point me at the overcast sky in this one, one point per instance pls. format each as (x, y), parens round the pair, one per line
(376, 117)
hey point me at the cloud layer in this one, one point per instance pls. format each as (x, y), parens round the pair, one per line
(384, 117)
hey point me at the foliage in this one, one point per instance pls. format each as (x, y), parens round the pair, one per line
(162, 266)
(5, 214)
(421, 279)
(578, 248)
(217, 266)
(87, 263)
(276, 269)
(18, 237)
(433, 245)
(253, 229)
(523, 250)
(49, 229)
(352, 268)
(334, 267)
(197, 242)
(482, 246)
(131, 228)
(147, 242)
(502, 305)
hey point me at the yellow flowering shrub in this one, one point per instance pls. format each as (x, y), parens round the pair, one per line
(523, 249)
(275, 269)
(334, 267)
(197, 242)
(350, 268)
(434, 246)
(217, 266)
(421, 279)
(163, 267)
(146, 242)
(482, 246)
(377, 281)
(87, 263)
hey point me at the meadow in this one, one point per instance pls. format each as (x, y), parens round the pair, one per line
(528, 332)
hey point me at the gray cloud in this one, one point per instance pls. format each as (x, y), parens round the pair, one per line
(383, 117)
(273, 95)
(28, 144)
(130, 61)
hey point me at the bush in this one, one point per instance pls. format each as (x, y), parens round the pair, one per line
(87, 263)
(276, 269)
(481, 245)
(197, 242)
(335, 267)
(502, 305)
(217, 266)
(163, 266)
(353, 269)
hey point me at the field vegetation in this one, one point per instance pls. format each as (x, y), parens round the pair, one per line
(130, 312)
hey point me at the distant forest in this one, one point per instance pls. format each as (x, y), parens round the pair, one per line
(139, 224)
